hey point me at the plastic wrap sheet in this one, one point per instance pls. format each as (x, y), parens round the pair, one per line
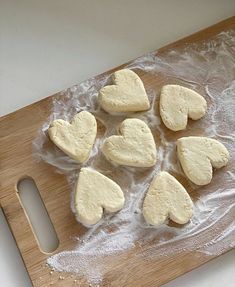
(207, 67)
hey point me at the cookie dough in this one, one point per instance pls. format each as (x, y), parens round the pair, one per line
(76, 139)
(198, 155)
(95, 192)
(134, 147)
(167, 198)
(177, 103)
(127, 94)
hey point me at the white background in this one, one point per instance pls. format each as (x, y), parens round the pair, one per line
(46, 46)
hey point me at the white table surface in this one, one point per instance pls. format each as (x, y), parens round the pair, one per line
(46, 46)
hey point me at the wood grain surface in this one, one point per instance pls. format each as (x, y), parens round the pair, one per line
(17, 131)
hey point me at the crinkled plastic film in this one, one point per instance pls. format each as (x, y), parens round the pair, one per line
(207, 67)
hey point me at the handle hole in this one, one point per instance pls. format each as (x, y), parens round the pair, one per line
(37, 215)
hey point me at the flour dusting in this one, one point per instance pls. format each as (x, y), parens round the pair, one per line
(208, 68)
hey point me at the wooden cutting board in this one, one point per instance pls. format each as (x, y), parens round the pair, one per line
(17, 131)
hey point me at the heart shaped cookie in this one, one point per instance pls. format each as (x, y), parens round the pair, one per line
(95, 192)
(134, 147)
(198, 155)
(126, 95)
(75, 139)
(177, 103)
(165, 198)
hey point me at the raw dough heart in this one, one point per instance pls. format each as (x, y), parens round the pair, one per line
(134, 147)
(75, 139)
(198, 155)
(165, 198)
(177, 103)
(126, 95)
(94, 191)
